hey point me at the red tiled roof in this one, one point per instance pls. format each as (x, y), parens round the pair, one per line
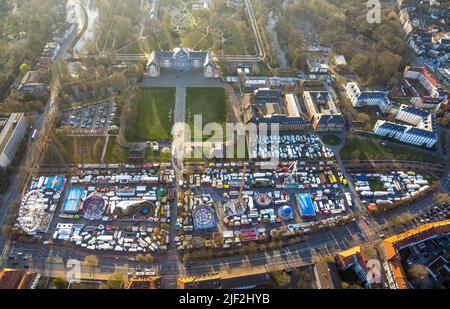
(427, 74)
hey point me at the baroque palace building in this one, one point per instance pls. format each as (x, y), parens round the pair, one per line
(182, 60)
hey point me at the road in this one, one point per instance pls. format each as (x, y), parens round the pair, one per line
(260, 51)
(18, 178)
(51, 260)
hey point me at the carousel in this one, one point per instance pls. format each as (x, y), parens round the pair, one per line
(94, 207)
(263, 199)
(203, 217)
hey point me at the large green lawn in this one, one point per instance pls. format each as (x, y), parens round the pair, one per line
(360, 149)
(75, 149)
(155, 115)
(331, 139)
(116, 153)
(208, 102)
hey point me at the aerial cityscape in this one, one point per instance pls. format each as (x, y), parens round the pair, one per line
(224, 144)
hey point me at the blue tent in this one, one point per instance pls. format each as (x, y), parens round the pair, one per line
(305, 205)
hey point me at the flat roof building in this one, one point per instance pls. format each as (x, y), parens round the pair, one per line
(226, 281)
(420, 127)
(144, 282)
(12, 132)
(390, 249)
(322, 111)
(267, 105)
(10, 278)
(360, 97)
(199, 282)
(29, 280)
(31, 84)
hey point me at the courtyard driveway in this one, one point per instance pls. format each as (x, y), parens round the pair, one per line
(181, 81)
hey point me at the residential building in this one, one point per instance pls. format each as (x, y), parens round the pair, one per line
(10, 278)
(420, 128)
(266, 105)
(12, 132)
(144, 282)
(181, 59)
(439, 268)
(424, 77)
(199, 282)
(316, 67)
(322, 111)
(29, 280)
(356, 259)
(340, 60)
(428, 103)
(391, 246)
(360, 98)
(247, 281)
(326, 276)
(426, 90)
(17, 279)
(51, 50)
(227, 281)
(30, 84)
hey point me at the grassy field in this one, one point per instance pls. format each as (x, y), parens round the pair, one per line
(359, 149)
(115, 153)
(76, 149)
(229, 33)
(376, 185)
(208, 102)
(155, 115)
(332, 140)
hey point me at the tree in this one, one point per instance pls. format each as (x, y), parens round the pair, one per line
(281, 278)
(59, 282)
(304, 280)
(360, 63)
(116, 281)
(186, 257)
(371, 252)
(139, 257)
(92, 262)
(4, 180)
(353, 286)
(442, 198)
(419, 274)
(148, 258)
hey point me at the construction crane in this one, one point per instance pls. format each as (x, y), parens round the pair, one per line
(241, 188)
(293, 166)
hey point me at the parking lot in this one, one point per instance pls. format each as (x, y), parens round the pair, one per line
(437, 213)
(240, 202)
(386, 188)
(90, 119)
